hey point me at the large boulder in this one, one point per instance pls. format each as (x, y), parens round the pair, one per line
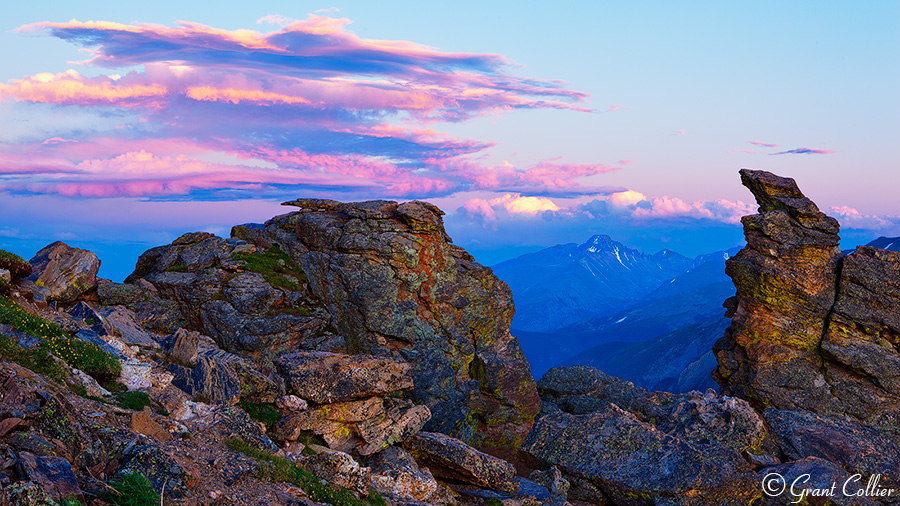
(613, 440)
(855, 447)
(634, 463)
(325, 378)
(396, 474)
(811, 329)
(812, 481)
(860, 347)
(393, 283)
(212, 381)
(452, 459)
(53, 474)
(64, 271)
(339, 469)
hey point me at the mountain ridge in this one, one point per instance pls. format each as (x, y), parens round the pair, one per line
(563, 284)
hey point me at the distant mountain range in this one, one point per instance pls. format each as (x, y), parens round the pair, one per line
(570, 283)
(650, 319)
(589, 303)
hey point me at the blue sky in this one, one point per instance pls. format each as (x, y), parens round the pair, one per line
(549, 124)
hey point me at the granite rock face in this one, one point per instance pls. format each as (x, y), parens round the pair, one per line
(638, 447)
(811, 329)
(65, 272)
(393, 284)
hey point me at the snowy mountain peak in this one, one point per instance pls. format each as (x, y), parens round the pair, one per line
(604, 244)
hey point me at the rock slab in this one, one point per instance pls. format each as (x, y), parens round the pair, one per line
(452, 459)
(64, 271)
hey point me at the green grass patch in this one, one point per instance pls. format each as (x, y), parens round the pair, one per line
(493, 501)
(86, 356)
(279, 469)
(37, 360)
(275, 266)
(23, 321)
(176, 268)
(133, 490)
(69, 501)
(132, 400)
(114, 387)
(79, 354)
(261, 412)
(8, 257)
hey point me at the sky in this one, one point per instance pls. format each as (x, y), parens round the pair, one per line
(124, 125)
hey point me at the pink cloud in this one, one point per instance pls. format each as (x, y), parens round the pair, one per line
(850, 217)
(57, 140)
(746, 151)
(763, 144)
(72, 88)
(672, 207)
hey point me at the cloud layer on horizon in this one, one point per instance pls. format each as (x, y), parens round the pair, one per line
(238, 113)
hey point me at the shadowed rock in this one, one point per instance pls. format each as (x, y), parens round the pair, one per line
(854, 447)
(811, 474)
(640, 447)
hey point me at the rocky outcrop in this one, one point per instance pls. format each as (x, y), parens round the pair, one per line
(371, 278)
(635, 447)
(393, 284)
(62, 273)
(249, 301)
(811, 329)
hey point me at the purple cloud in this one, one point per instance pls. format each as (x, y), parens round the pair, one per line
(307, 106)
(805, 151)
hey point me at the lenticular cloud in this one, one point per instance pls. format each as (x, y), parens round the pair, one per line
(309, 106)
